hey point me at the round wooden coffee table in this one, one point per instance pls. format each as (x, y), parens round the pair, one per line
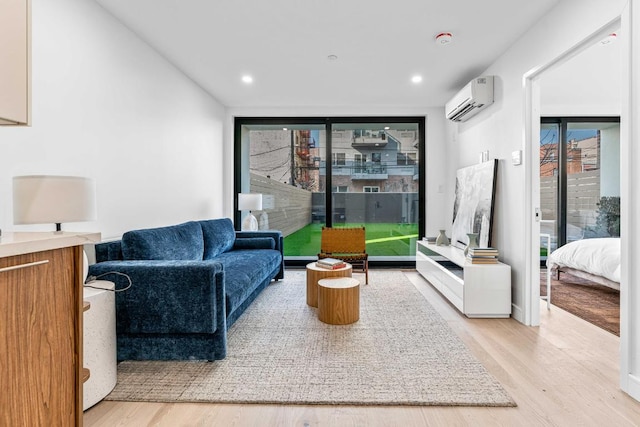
(339, 300)
(315, 273)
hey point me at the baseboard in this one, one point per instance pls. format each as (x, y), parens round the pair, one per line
(633, 386)
(516, 313)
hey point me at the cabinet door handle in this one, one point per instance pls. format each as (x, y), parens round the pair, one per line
(19, 266)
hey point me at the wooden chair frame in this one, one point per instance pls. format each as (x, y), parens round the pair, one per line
(347, 244)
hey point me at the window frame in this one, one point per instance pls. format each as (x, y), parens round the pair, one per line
(329, 123)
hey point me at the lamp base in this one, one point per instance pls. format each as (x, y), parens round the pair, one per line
(250, 223)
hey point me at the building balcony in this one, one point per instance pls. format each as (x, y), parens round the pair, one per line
(361, 172)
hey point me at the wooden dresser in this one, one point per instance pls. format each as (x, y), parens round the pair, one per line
(41, 312)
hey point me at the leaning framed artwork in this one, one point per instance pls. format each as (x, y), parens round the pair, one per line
(473, 206)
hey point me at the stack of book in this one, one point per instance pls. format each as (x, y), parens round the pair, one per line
(330, 263)
(483, 255)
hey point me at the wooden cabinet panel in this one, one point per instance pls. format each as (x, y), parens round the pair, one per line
(15, 52)
(40, 334)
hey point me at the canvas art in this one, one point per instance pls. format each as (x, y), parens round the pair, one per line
(473, 206)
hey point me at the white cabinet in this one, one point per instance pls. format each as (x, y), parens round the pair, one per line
(477, 290)
(15, 53)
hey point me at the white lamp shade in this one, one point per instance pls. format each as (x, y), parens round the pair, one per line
(42, 199)
(249, 201)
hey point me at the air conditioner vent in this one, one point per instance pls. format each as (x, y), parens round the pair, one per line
(474, 97)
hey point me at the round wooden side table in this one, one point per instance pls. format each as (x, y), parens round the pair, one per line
(339, 300)
(315, 273)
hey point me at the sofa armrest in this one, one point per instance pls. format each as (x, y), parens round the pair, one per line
(275, 235)
(109, 251)
(166, 296)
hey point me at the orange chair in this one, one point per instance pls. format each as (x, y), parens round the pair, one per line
(347, 244)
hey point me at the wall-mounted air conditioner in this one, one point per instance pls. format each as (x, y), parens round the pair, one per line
(474, 97)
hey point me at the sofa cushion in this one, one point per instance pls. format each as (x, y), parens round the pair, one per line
(218, 235)
(176, 242)
(241, 281)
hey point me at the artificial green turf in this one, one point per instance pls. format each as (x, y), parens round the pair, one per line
(387, 239)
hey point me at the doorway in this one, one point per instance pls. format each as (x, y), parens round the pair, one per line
(548, 91)
(580, 217)
(629, 382)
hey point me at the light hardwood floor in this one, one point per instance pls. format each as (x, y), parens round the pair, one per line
(563, 373)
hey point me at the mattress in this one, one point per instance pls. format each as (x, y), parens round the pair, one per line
(599, 257)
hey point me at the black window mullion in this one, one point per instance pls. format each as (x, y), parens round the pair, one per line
(328, 199)
(562, 185)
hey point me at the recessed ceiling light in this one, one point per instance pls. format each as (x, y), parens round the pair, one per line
(247, 79)
(416, 79)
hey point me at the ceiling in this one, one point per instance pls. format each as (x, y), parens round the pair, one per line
(285, 44)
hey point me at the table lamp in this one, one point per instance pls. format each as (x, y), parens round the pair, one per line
(41, 199)
(249, 202)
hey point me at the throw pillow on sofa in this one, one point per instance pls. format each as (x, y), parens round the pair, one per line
(175, 242)
(218, 235)
(255, 243)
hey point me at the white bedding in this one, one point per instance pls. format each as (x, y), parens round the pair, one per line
(600, 257)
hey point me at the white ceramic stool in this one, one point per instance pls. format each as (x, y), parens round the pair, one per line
(99, 342)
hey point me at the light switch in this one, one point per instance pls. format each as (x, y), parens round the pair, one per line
(516, 157)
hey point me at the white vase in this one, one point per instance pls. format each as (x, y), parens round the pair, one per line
(473, 242)
(442, 239)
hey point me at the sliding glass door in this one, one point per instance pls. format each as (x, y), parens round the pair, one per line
(335, 172)
(580, 178)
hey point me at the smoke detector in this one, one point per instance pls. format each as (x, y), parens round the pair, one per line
(444, 38)
(609, 39)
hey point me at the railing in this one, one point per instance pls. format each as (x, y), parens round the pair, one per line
(371, 169)
(368, 168)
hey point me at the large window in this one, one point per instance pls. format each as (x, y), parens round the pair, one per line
(374, 178)
(579, 178)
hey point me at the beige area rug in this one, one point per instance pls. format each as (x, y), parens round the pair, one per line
(400, 352)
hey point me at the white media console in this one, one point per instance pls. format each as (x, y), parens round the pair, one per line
(477, 290)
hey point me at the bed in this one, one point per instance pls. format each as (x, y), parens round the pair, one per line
(597, 260)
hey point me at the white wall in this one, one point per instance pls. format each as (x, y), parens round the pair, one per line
(588, 84)
(630, 205)
(107, 106)
(438, 185)
(500, 128)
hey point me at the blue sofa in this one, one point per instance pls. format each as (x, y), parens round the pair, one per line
(189, 283)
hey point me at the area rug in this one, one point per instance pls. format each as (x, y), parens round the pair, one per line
(400, 352)
(597, 304)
